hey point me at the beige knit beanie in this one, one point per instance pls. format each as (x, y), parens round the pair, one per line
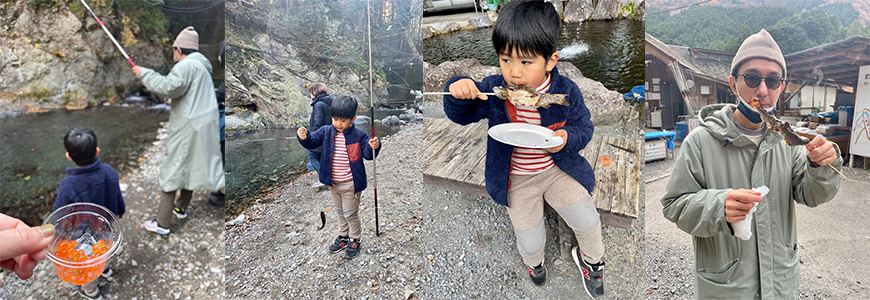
(187, 39)
(759, 45)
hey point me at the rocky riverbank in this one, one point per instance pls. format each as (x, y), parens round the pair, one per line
(187, 264)
(276, 252)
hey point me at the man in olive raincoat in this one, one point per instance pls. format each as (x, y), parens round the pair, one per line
(193, 157)
(720, 163)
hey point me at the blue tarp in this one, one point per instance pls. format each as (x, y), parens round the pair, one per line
(662, 134)
(637, 93)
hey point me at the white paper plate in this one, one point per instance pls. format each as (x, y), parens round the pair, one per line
(524, 135)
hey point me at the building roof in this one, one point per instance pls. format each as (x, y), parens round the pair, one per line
(836, 63)
(709, 64)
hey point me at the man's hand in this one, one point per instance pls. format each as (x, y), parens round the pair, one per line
(465, 89)
(23, 246)
(738, 203)
(374, 143)
(821, 152)
(136, 71)
(302, 133)
(561, 133)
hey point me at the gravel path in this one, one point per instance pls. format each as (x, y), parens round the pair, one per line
(473, 251)
(278, 253)
(187, 264)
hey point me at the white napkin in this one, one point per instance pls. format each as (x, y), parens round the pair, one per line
(743, 229)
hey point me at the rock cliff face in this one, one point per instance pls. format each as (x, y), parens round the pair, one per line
(606, 106)
(274, 85)
(51, 57)
(266, 75)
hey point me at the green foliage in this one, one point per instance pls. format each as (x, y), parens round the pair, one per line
(800, 5)
(725, 29)
(843, 11)
(150, 20)
(856, 29)
(74, 7)
(38, 3)
(806, 30)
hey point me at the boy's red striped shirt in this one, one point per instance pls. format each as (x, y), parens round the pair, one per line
(528, 161)
(340, 160)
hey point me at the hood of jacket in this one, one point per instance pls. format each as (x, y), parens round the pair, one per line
(718, 120)
(325, 98)
(199, 58)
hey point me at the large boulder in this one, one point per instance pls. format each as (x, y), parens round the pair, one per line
(606, 106)
(607, 10)
(51, 56)
(481, 21)
(578, 10)
(436, 77)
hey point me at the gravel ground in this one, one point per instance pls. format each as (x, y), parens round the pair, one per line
(469, 234)
(187, 264)
(278, 253)
(670, 256)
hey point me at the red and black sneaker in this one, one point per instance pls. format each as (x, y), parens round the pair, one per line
(592, 275)
(339, 244)
(352, 251)
(538, 274)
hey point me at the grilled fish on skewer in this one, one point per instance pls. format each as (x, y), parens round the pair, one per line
(528, 96)
(791, 138)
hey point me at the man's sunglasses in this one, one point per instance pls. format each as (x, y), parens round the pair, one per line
(752, 81)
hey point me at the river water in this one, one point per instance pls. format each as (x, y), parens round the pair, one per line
(611, 52)
(256, 168)
(32, 161)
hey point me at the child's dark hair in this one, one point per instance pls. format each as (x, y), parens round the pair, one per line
(527, 26)
(344, 107)
(81, 144)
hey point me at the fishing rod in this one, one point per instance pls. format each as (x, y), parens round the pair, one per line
(372, 101)
(109, 34)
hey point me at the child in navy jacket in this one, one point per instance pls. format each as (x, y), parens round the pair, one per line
(525, 38)
(342, 169)
(91, 182)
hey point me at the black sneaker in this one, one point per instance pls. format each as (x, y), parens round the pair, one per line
(339, 244)
(592, 275)
(538, 274)
(352, 251)
(179, 212)
(217, 199)
(95, 296)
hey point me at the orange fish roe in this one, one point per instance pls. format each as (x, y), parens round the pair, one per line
(67, 250)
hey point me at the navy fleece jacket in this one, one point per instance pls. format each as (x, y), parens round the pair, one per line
(96, 183)
(357, 143)
(574, 118)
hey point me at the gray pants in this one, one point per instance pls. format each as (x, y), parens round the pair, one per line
(346, 208)
(568, 197)
(168, 202)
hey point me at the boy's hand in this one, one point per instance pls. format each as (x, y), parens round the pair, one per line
(136, 71)
(561, 133)
(374, 143)
(465, 89)
(738, 203)
(302, 133)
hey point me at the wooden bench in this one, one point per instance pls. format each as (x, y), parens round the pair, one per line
(454, 158)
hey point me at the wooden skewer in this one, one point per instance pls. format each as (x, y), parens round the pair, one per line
(446, 93)
(838, 171)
